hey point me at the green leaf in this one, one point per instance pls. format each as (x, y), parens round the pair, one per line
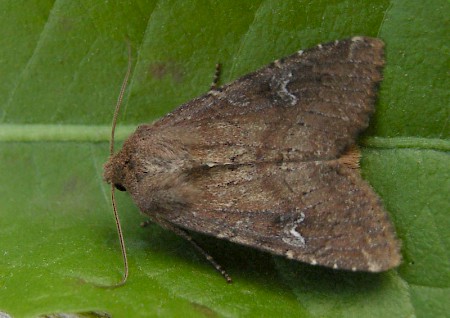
(62, 64)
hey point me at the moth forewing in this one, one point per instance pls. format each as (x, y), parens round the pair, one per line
(266, 161)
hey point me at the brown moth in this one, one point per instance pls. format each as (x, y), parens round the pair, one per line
(269, 161)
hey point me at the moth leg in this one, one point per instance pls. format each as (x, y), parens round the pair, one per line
(145, 223)
(187, 237)
(216, 77)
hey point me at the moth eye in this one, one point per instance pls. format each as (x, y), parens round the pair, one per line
(119, 187)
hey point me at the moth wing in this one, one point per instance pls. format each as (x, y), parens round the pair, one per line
(263, 155)
(316, 212)
(312, 103)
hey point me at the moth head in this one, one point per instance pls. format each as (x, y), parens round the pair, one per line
(115, 171)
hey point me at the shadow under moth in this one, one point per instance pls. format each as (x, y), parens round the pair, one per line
(269, 161)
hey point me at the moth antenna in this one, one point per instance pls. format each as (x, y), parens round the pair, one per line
(111, 152)
(119, 100)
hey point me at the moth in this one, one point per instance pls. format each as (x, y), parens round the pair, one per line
(270, 161)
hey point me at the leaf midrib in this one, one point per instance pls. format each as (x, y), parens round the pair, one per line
(101, 133)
